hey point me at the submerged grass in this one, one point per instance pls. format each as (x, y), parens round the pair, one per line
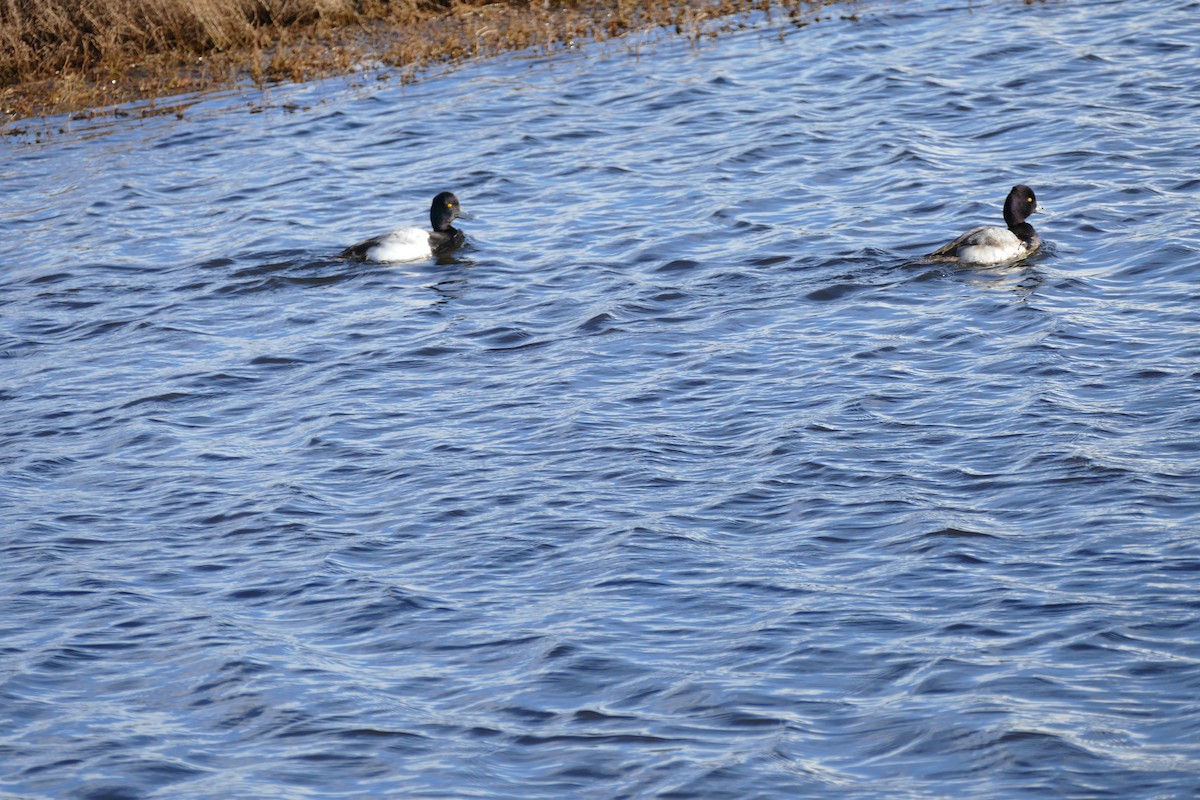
(61, 56)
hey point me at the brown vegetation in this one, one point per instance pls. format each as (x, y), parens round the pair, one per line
(65, 55)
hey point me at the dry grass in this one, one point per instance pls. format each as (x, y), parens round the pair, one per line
(65, 55)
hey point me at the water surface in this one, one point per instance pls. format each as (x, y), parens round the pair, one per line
(686, 478)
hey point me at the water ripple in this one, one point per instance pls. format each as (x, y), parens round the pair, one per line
(685, 478)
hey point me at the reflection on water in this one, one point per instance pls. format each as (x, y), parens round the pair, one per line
(686, 478)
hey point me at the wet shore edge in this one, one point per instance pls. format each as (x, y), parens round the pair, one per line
(65, 62)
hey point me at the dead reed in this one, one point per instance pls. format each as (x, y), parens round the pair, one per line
(65, 55)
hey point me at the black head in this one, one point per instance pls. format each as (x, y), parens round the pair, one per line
(1019, 205)
(444, 210)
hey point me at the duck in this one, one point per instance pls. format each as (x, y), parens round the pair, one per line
(413, 244)
(991, 244)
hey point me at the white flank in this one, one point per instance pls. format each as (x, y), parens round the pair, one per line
(405, 244)
(989, 246)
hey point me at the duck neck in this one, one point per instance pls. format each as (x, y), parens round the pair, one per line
(1025, 232)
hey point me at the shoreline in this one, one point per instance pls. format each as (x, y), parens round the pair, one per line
(408, 40)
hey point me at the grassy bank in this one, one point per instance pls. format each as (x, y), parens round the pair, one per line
(68, 55)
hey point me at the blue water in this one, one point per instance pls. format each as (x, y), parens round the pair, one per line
(687, 478)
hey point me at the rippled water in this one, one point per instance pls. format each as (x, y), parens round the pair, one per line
(687, 478)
